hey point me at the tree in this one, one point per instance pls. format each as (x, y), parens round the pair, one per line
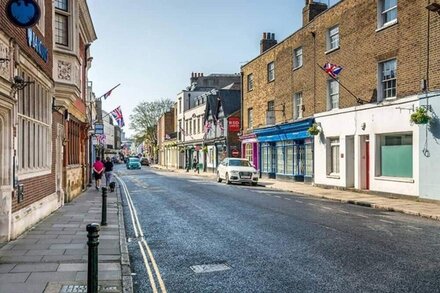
(144, 120)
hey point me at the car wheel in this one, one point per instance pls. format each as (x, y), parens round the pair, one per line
(227, 179)
(219, 179)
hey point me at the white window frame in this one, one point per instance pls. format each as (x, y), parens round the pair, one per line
(250, 82)
(250, 116)
(331, 96)
(333, 38)
(297, 105)
(34, 133)
(68, 14)
(297, 58)
(333, 158)
(381, 12)
(271, 71)
(383, 87)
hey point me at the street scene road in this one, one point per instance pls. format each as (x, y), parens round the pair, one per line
(204, 236)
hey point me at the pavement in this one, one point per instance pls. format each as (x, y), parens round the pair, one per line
(52, 256)
(394, 203)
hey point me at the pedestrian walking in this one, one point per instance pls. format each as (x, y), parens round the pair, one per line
(195, 163)
(108, 165)
(98, 169)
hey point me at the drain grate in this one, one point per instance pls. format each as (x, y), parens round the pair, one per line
(83, 289)
(209, 268)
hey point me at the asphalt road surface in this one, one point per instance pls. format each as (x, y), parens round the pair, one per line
(191, 234)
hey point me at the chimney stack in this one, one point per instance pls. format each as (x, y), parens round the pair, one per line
(193, 77)
(267, 42)
(312, 9)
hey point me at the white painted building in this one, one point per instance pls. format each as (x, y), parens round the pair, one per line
(370, 147)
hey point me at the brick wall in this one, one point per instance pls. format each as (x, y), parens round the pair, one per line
(19, 35)
(37, 188)
(361, 48)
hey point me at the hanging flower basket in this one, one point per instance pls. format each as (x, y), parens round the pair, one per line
(420, 116)
(205, 149)
(314, 129)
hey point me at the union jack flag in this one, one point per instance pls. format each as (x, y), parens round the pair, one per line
(117, 114)
(207, 126)
(332, 69)
(101, 139)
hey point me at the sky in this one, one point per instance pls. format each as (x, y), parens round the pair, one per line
(151, 47)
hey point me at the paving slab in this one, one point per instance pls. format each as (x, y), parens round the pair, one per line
(13, 278)
(23, 268)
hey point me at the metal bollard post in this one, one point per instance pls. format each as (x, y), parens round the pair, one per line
(104, 207)
(92, 266)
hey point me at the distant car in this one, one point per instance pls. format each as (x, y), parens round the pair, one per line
(237, 170)
(133, 163)
(145, 162)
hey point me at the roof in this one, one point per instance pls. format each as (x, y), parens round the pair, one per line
(228, 99)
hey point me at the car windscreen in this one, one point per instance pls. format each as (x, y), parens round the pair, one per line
(239, 163)
(134, 160)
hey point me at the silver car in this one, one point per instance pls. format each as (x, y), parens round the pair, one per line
(237, 170)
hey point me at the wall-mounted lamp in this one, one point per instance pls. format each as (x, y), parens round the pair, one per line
(20, 83)
(434, 7)
(57, 108)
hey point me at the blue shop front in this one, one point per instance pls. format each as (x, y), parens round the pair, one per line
(286, 151)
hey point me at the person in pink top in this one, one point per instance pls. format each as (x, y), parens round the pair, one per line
(98, 169)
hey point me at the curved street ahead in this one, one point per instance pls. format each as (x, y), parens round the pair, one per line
(190, 234)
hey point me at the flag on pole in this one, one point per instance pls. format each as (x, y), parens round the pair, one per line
(107, 94)
(117, 115)
(207, 126)
(332, 69)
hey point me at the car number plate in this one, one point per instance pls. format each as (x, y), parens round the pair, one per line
(246, 177)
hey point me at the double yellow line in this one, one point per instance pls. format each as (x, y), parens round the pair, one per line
(147, 255)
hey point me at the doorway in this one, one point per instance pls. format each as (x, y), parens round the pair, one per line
(365, 162)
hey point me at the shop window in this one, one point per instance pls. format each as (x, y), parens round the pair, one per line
(289, 158)
(396, 155)
(308, 159)
(249, 152)
(34, 127)
(280, 157)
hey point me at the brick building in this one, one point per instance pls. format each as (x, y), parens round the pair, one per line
(32, 124)
(166, 139)
(387, 50)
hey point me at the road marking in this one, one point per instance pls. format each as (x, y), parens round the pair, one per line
(141, 240)
(413, 227)
(298, 201)
(344, 212)
(362, 216)
(385, 221)
(277, 196)
(327, 208)
(287, 198)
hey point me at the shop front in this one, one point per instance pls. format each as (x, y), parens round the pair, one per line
(286, 151)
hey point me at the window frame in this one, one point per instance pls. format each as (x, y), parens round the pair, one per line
(297, 111)
(330, 48)
(271, 71)
(298, 58)
(67, 15)
(330, 94)
(381, 81)
(250, 82)
(381, 13)
(250, 116)
(333, 162)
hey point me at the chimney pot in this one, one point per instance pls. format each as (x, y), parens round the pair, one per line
(264, 36)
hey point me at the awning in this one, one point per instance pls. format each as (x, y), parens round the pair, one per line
(288, 131)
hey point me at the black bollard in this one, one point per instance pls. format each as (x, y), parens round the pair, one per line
(92, 266)
(104, 207)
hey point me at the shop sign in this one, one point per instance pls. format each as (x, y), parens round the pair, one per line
(23, 13)
(38, 46)
(99, 128)
(233, 124)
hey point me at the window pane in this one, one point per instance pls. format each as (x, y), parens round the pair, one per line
(61, 4)
(264, 158)
(309, 160)
(280, 158)
(289, 159)
(61, 27)
(396, 156)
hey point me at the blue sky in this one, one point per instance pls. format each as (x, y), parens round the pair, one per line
(152, 46)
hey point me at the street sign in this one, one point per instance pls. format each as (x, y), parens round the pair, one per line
(99, 128)
(23, 13)
(235, 153)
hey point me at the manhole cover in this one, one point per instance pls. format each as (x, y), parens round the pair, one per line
(209, 268)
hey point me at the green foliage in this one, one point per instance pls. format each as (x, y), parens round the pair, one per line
(313, 130)
(144, 120)
(420, 116)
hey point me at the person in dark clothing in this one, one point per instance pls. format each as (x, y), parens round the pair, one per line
(108, 171)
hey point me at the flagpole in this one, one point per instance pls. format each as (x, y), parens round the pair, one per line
(109, 91)
(358, 100)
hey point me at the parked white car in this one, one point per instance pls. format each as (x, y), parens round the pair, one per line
(237, 170)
